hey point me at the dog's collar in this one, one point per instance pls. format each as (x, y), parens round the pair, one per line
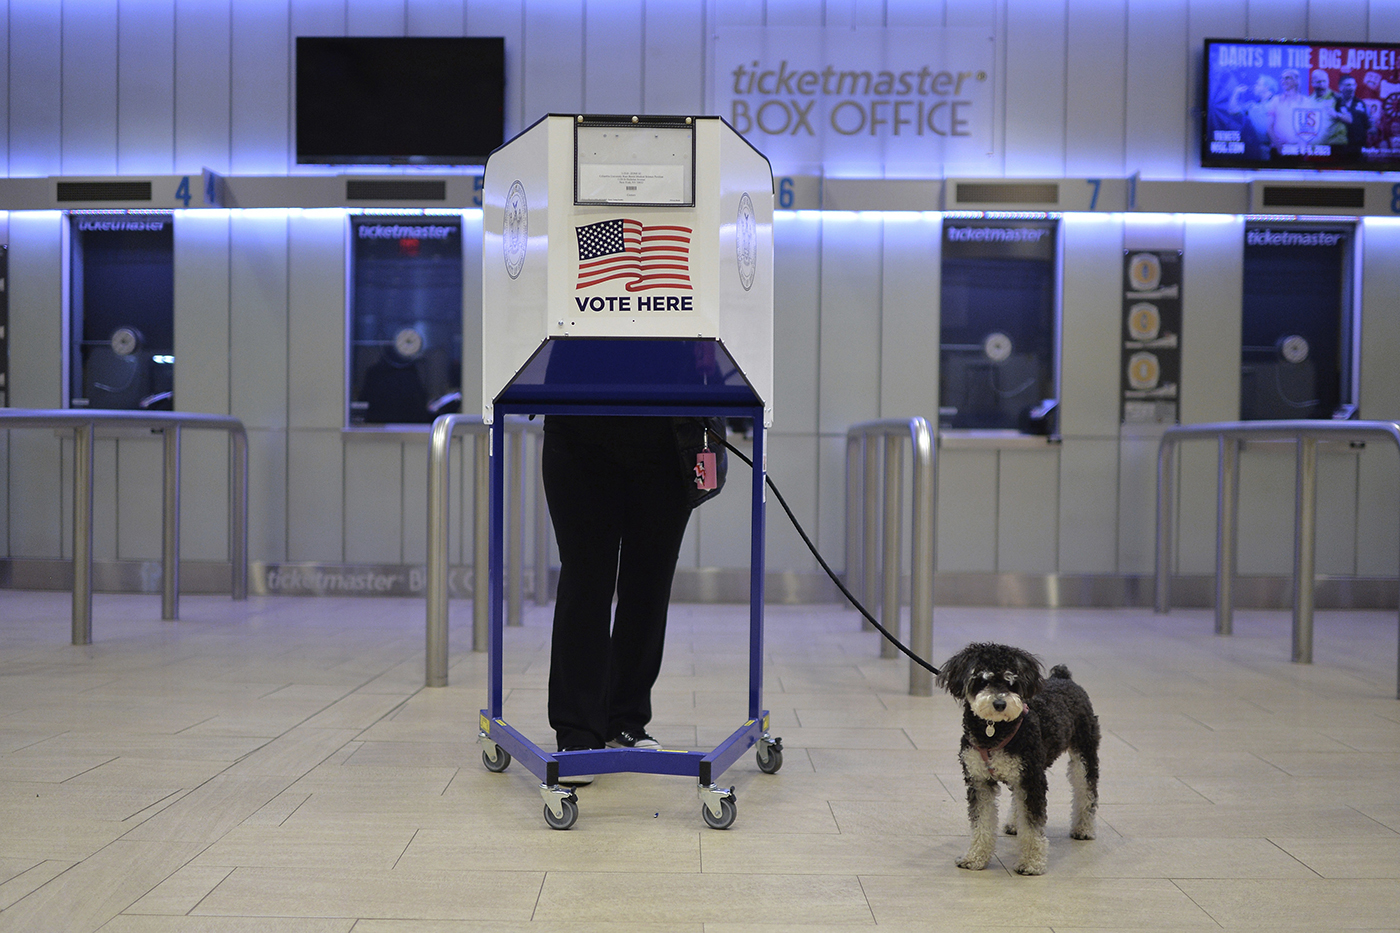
(986, 753)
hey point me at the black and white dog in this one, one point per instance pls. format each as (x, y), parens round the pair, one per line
(1015, 724)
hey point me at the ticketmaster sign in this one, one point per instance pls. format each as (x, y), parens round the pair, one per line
(859, 102)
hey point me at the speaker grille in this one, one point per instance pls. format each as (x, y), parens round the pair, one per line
(983, 193)
(1280, 196)
(395, 190)
(104, 191)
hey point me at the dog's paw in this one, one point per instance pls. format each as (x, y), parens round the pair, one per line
(1027, 869)
(1082, 835)
(972, 864)
(1009, 829)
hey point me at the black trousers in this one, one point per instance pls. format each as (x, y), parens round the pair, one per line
(619, 503)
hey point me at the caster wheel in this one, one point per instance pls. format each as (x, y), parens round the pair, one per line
(728, 810)
(569, 817)
(770, 757)
(497, 764)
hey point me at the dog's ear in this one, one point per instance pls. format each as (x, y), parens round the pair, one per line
(952, 675)
(1029, 674)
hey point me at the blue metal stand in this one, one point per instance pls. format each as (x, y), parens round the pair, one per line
(502, 742)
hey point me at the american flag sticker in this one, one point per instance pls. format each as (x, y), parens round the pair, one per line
(639, 256)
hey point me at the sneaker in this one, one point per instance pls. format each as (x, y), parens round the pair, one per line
(576, 780)
(633, 738)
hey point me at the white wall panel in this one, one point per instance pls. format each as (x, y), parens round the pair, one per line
(202, 85)
(1337, 476)
(374, 502)
(375, 18)
(258, 324)
(204, 480)
(267, 494)
(261, 138)
(1095, 59)
(138, 471)
(315, 490)
(796, 320)
(850, 321)
(146, 87)
(435, 17)
(1035, 90)
(967, 511)
(1196, 475)
(1028, 510)
(676, 39)
(104, 498)
(1159, 107)
(1378, 495)
(553, 44)
(415, 505)
(488, 18)
(830, 532)
(1278, 19)
(1212, 298)
(909, 327)
(35, 82)
(1137, 504)
(1091, 325)
(1088, 505)
(316, 319)
(614, 53)
(89, 91)
(1266, 509)
(1384, 19)
(202, 350)
(720, 527)
(792, 468)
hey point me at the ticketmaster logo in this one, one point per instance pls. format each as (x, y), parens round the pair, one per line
(404, 232)
(997, 234)
(1291, 238)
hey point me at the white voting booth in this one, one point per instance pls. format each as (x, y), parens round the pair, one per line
(628, 269)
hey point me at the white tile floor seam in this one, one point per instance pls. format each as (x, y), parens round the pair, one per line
(278, 765)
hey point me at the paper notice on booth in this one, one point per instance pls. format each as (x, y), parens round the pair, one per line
(631, 184)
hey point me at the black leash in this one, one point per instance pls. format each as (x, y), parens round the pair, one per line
(829, 572)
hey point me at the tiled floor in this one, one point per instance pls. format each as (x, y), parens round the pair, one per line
(277, 765)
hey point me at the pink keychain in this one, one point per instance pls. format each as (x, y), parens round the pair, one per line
(705, 470)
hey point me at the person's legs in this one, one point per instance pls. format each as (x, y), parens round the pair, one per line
(655, 519)
(585, 504)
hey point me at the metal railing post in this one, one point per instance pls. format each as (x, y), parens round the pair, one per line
(1227, 498)
(854, 509)
(1166, 460)
(860, 527)
(1304, 548)
(82, 533)
(1230, 436)
(439, 488)
(922, 559)
(170, 527)
(869, 483)
(84, 426)
(890, 559)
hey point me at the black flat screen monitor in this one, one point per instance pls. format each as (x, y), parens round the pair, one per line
(1290, 104)
(399, 100)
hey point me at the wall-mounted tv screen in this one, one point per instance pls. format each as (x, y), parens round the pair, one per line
(399, 100)
(1301, 104)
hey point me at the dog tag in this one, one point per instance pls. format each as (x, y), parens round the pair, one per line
(991, 730)
(705, 470)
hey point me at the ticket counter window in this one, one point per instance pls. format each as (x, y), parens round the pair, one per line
(997, 359)
(406, 319)
(123, 312)
(1296, 356)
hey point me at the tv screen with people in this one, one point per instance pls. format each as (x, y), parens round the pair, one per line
(1285, 104)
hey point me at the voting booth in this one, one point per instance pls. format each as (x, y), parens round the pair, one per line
(627, 269)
